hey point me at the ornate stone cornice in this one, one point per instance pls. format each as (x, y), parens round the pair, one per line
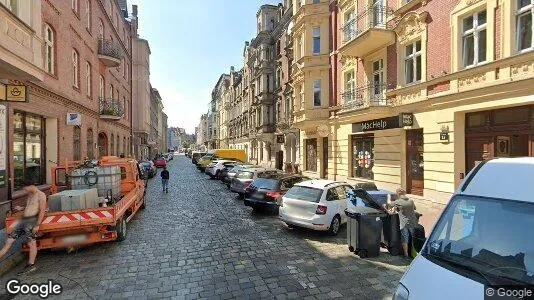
(410, 26)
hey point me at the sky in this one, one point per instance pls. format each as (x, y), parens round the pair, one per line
(192, 43)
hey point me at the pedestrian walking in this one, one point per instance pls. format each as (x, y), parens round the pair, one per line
(407, 217)
(165, 179)
(26, 228)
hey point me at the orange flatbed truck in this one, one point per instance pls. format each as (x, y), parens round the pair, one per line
(83, 227)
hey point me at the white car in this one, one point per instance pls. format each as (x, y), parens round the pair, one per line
(217, 166)
(315, 204)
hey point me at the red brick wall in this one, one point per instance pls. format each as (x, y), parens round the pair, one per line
(438, 87)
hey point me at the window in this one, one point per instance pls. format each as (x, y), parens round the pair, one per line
(90, 152)
(75, 70)
(28, 149)
(100, 29)
(362, 157)
(278, 77)
(111, 91)
(117, 145)
(316, 40)
(525, 10)
(474, 39)
(112, 145)
(12, 5)
(311, 155)
(316, 1)
(74, 5)
(49, 50)
(317, 93)
(88, 14)
(101, 84)
(350, 81)
(412, 63)
(270, 82)
(88, 78)
(76, 140)
(302, 99)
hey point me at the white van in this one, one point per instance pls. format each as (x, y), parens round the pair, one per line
(485, 236)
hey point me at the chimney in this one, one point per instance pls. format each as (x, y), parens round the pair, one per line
(232, 69)
(134, 10)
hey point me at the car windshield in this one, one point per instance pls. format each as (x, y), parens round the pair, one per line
(245, 175)
(491, 236)
(145, 164)
(266, 184)
(304, 193)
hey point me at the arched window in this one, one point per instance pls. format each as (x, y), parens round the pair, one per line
(76, 139)
(111, 91)
(112, 145)
(101, 84)
(88, 14)
(75, 69)
(124, 145)
(49, 50)
(117, 152)
(90, 146)
(100, 29)
(88, 79)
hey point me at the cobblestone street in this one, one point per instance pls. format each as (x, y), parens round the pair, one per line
(199, 241)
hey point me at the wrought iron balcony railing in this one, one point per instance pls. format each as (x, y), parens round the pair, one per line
(110, 52)
(111, 108)
(375, 16)
(370, 95)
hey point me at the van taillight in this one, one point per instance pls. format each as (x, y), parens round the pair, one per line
(321, 210)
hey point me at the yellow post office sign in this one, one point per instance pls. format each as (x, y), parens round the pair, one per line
(16, 93)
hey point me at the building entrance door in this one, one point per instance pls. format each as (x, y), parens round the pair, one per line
(280, 160)
(414, 162)
(102, 145)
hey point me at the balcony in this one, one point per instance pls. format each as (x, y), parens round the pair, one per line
(305, 118)
(109, 53)
(367, 33)
(371, 95)
(111, 109)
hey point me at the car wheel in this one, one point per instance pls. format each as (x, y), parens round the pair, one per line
(121, 230)
(290, 226)
(362, 253)
(217, 174)
(334, 226)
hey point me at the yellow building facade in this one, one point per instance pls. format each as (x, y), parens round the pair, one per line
(423, 92)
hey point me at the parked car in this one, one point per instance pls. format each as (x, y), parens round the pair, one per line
(482, 238)
(196, 155)
(215, 168)
(148, 168)
(245, 177)
(316, 204)
(266, 192)
(224, 172)
(232, 172)
(160, 162)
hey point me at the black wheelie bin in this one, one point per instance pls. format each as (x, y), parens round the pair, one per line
(364, 226)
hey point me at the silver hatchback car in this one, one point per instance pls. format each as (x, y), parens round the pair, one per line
(244, 178)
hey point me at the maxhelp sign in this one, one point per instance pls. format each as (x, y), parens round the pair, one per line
(400, 121)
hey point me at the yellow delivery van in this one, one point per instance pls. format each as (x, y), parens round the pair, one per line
(232, 154)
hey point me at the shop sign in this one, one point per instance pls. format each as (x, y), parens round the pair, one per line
(400, 121)
(280, 139)
(13, 93)
(3, 145)
(74, 119)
